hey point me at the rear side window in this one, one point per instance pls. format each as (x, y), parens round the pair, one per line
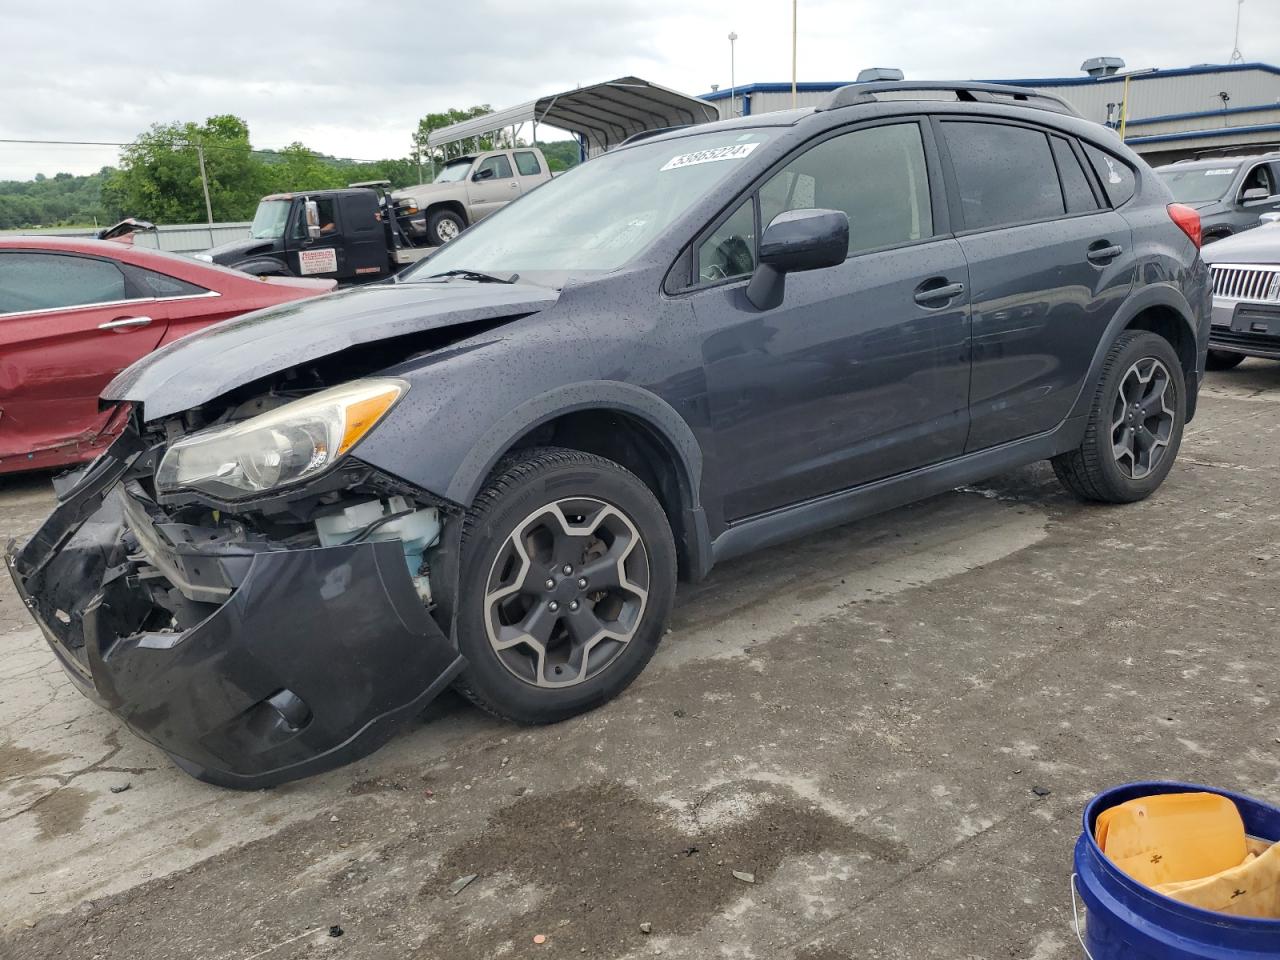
(527, 163)
(1075, 184)
(877, 176)
(1005, 174)
(1117, 177)
(43, 281)
(152, 284)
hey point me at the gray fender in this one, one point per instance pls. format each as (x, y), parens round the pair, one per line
(668, 427)
(1151, 295)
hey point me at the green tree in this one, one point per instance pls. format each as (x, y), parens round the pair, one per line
(159, 175)
(297, 168)
(435, 121)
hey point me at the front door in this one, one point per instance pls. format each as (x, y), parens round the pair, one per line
(68, 325)
(324, 256)
(363, 235)
(492, 186)
(863, 371)
(1049, 265)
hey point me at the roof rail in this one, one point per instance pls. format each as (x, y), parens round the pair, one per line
(856, 93)
(646, 134)
(1254, 150)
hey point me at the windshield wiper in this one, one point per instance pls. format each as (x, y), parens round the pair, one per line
(477, 276)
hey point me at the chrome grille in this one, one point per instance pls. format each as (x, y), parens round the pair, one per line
(1246, 282)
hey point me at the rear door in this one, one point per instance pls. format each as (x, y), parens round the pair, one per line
(68, 324)
(529, 171)
(1049, 264)
(492, 186)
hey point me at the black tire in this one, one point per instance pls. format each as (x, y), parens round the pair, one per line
(443, 226)
(1093, 471)
(506, 683)
(1222, 360)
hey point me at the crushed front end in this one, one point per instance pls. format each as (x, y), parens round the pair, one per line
(256, 640)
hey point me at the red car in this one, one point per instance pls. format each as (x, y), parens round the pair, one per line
(74, 313)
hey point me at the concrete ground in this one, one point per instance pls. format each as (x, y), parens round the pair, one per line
(890, 728)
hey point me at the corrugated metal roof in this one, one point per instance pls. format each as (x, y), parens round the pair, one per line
(604, 114)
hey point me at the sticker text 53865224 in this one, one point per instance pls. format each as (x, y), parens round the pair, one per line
(734, 151)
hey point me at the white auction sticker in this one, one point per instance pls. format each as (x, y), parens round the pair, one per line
(318, 261)
(1220, 172)
(734, 152)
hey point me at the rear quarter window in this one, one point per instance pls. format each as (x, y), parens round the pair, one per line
(1118, 179)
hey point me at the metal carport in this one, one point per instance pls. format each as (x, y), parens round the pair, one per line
(601, 115)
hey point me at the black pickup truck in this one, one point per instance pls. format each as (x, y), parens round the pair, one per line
(351, 235)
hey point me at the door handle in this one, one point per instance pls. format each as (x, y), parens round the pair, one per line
(927, 295)
(1105, 252)
(124, 323)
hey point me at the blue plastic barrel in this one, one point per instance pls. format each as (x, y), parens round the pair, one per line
(1129, 921)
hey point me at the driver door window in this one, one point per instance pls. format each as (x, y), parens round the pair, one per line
(498, 165)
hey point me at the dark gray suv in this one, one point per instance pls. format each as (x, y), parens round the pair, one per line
(489, 472)
(1229, 193)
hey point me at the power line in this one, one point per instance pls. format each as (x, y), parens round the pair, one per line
(181, 143)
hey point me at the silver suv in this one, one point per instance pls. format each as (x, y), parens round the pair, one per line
(1230, 193)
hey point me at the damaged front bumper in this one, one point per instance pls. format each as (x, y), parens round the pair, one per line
(296, 660)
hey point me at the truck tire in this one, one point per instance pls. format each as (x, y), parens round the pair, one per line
(1135, 423)
(443, 226)
(568, 573)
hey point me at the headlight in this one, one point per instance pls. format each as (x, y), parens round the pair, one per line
(291, 443)
(203, 256)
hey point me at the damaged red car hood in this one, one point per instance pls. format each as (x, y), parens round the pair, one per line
(205, 365)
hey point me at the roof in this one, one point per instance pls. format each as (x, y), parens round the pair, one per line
(315, 193)
(603, 114)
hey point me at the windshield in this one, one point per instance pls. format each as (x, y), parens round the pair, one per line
(602, 213)
(1200, 184)
(270, 220)
(453, 172)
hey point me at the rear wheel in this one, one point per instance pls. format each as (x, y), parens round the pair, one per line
(567, 579)
(1222, 360)
(1135, 423)
(443, 226)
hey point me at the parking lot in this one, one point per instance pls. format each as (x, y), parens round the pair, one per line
(873, 743)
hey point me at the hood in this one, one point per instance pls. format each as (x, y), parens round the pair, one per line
(233, 251)
(1259, 245)
(427, 189)
(208, 363)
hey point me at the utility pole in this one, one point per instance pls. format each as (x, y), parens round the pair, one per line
(733, 85)
(1236, 55)
(204, 182)
(793, 53)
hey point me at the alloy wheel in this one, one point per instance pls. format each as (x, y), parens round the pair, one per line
(1142, 418)
(566, 592)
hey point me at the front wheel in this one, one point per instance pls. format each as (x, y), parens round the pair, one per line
(567, 579)
(1221, 360)
(443, 226)
(1135, 423)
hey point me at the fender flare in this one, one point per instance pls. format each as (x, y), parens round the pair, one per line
(1151, 295)
(668, 427)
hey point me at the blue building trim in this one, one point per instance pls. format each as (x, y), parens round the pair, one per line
(826, 86)
(1204, 134)
(1205, 113)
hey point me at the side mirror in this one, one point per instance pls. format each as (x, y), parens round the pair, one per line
(311, 215)
(484, 173)
(1253, 194)
(797, 240)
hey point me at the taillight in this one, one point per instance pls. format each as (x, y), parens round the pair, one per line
(1187, 219)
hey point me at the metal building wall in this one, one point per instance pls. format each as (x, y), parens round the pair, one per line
(175, 238)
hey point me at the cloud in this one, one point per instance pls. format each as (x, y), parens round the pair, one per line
(353, 81)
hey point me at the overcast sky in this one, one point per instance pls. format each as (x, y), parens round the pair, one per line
(355, 84)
